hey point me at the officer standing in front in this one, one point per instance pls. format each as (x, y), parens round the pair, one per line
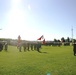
(74, 48)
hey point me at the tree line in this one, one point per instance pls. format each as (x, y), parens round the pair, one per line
(62, 40)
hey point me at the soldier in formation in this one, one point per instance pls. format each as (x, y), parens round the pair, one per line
(32, 46)
(1, 47)
(6, 46)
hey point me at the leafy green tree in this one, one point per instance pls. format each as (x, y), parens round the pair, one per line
(55, 40)
(68, 39)
(63, 39)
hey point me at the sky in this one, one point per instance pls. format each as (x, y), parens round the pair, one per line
(32, 18)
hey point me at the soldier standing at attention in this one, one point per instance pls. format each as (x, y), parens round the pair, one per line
(32, 46)
(19, 47)
(35, 45)
(74, 49)
(28, 46)
(38, 47)
(6, 46)
(1, 47)
(24, 46)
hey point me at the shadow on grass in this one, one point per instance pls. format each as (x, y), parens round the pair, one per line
(42, 52)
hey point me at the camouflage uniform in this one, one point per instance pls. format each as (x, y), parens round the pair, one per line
(6, 46)
(74, 49)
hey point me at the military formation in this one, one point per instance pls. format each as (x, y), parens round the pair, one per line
(29, 46)
(25, 46)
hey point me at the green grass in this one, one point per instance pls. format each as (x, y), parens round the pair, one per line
(54, 60)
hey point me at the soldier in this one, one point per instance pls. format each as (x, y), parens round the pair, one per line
(6, 46)
(24, 46)
(28, 46)
(19, 47)
(1, 47)
(38, 47)
(74, 49)
(32, 46)
(35, 45)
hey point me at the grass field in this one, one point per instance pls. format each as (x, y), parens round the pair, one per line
(53, 60)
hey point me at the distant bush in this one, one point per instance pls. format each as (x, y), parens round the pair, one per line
(53, 44)
(56, 44)
(66, 44)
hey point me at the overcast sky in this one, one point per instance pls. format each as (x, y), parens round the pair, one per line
(32, 18)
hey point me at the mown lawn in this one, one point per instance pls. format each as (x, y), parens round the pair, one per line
(53, 60)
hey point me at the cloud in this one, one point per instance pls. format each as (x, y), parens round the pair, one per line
(15, 3)
(29, 7)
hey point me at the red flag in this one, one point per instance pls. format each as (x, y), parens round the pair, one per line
(43, 41)
(40, 38)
